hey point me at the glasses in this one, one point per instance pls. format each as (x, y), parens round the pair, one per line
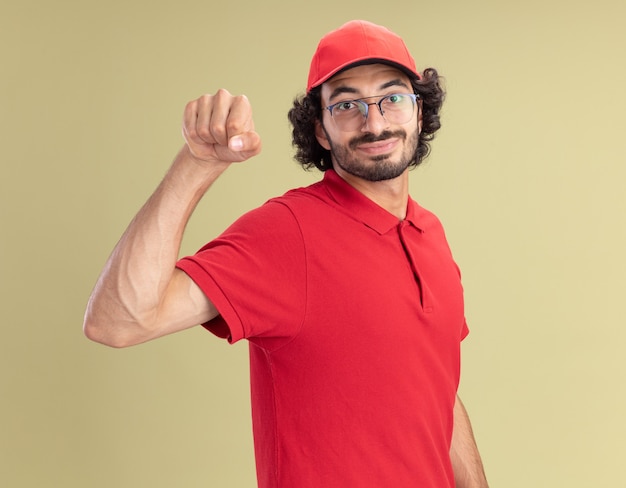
(397, 108)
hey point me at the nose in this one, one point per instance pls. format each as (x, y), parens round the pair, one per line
(375, 121)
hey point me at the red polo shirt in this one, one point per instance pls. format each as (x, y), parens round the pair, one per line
(354, 321)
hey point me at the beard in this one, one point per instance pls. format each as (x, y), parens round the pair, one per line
(377, 168)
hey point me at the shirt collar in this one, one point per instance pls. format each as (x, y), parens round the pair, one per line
(361, 208)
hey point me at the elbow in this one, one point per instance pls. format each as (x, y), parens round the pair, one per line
(112, 323)
(96, 334)
(103, 332)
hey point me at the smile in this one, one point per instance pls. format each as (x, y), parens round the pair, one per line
(379, 147)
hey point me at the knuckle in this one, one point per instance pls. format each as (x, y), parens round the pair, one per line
(189, 130)
(202, 132)
(217, 131)
(190, 109)
(234, 126)
(242, 102)
(222, 93)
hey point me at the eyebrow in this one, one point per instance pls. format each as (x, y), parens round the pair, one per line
(340, 90)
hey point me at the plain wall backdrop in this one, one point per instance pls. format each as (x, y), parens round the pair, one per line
(527, 175)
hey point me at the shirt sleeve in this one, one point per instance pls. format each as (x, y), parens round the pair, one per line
(255, 275)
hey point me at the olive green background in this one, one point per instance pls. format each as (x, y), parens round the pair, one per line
(527, 174)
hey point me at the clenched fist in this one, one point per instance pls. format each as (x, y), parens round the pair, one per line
(219, 128)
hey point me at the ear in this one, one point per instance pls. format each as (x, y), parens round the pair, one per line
(320, 135)
(420, 119)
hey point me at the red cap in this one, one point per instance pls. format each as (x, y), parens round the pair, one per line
(358, 42)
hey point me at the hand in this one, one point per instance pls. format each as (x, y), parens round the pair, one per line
(219, 128)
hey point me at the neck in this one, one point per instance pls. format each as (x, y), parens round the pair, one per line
(392, 195)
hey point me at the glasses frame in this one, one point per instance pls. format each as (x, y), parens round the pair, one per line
(364, 107)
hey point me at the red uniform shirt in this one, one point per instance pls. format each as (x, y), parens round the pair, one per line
(354, 321)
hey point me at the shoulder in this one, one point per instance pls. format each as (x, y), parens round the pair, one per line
(424, 219)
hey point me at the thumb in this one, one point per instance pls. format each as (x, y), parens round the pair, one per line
(248, 144)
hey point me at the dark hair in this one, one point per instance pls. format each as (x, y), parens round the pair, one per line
(308, 108)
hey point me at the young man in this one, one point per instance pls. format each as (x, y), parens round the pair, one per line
(346, 290)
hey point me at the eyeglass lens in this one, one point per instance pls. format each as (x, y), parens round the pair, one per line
(351, 114)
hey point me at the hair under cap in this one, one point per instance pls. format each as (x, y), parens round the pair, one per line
(358, 42)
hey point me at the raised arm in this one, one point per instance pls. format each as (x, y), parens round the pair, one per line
(140, 295)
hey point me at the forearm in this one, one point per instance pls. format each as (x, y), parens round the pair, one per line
(125, 302)
(466, 461)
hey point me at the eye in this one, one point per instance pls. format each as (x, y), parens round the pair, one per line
(346, 106)
(395, 98)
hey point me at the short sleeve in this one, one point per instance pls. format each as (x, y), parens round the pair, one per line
(255, 275)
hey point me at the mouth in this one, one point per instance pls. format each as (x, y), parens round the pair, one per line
(378, 148)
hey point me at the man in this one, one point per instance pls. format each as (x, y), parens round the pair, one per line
(346, 290)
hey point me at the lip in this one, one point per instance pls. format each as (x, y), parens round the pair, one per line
(379, 147)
